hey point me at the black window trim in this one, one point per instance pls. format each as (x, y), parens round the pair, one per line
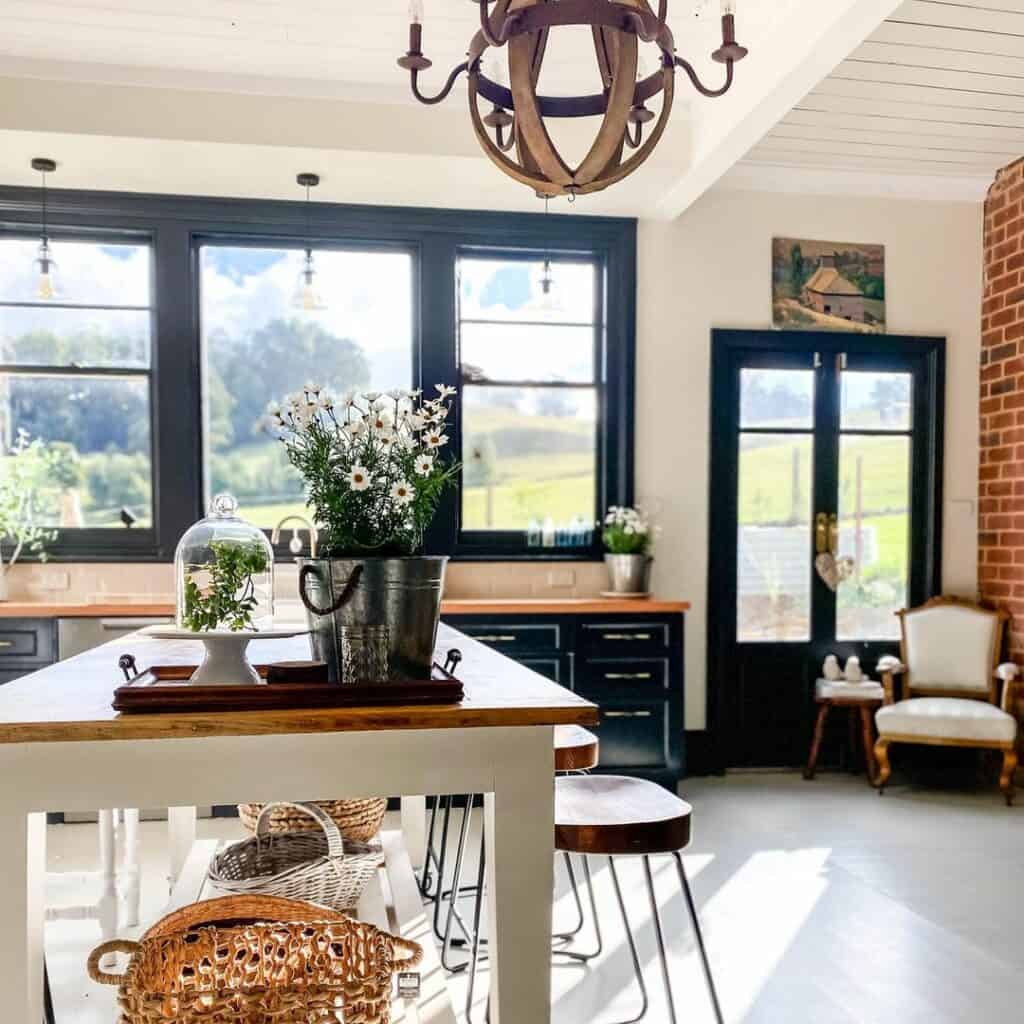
(175, 224)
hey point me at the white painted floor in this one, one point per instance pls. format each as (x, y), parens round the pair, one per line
(821, 904)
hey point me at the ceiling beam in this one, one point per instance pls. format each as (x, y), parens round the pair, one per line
(782, 68)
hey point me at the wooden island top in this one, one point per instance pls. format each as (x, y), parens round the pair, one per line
(70, 701)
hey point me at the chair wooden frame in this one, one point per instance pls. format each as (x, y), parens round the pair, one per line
(998, 674)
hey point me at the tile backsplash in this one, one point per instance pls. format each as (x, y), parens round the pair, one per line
(75, 582)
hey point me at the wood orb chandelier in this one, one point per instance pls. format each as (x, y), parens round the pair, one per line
(514, 132)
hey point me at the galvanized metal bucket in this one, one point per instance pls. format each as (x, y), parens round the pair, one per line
(629, 574)
(403, 594)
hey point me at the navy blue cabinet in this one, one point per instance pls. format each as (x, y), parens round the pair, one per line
(631, 666)
(26, 645)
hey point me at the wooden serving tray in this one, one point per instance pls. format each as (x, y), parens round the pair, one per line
(164, 689)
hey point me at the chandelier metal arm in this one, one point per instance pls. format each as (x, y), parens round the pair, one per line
(493, 38)
(446, 89)
(699, 85)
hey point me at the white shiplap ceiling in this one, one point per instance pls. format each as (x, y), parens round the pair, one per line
(935, 94)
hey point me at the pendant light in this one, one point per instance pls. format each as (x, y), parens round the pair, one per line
(307, 295)
(45, 266)
(549, 300)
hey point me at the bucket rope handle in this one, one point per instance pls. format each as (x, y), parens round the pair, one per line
(413, 953)
(335, 844)
(339, 602)
(114, 946)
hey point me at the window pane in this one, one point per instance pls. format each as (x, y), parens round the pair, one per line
(875, 401)
(511, 290)
(87, 273)
(528, 453)
(777, 398)
(874, 529)
(774, 544)
(74, 337)
(258, 348)
(527, 352)
(99, 429)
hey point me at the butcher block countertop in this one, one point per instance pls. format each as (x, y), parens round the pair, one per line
(71, 701)
(460, 606)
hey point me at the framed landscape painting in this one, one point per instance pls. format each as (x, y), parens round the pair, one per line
(823, 286)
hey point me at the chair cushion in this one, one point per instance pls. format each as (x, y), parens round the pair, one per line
(950, 647)
(840, 689)
(948, 718)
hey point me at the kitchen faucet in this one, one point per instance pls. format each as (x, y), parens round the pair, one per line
(295, 544)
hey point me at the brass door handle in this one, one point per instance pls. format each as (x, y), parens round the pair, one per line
(833, 535)
(826, 534)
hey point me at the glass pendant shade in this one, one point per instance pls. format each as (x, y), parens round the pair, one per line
(46, 272)
(307, 295)
(546, 297)
(224, 573)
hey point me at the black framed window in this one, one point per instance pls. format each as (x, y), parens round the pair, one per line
(76, 373)
(257, 347)
(530, 345)
(201, 307)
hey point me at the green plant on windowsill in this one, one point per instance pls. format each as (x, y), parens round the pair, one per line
(229, 598)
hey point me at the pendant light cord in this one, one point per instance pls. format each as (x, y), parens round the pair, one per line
(44, 206)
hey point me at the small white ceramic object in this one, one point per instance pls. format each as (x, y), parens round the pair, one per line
(853, 671)
(224, 662)
(831, 670)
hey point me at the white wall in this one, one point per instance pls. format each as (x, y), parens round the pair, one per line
(712, 268)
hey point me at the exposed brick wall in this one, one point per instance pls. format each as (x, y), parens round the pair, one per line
(1001, 473)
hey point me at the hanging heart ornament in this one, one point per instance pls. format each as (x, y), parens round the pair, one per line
(832, 570)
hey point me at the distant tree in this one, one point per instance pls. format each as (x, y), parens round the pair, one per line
(796, 270)
(278, 358)
(554, 403)
(886, 395)
(480, 462)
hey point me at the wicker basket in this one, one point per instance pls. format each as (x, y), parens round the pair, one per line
(319, 867)
(356, 819)
(316, 967)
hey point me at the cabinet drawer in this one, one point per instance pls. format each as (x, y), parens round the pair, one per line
(611, 639)
(550, 668)
(27, 640)
(634, 734)
(513, 638)
(622, 675)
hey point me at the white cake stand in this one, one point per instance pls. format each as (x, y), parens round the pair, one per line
(224, 662)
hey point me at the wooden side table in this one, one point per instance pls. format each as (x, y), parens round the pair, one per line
(864, 698)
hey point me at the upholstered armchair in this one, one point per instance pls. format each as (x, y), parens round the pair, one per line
(954, 691)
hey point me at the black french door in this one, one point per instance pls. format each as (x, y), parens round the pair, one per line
(825, 518)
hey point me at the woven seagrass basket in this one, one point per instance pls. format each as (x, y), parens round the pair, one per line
(240, 960)
(357, 819)
(319, 867)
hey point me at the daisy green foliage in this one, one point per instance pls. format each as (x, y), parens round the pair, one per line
(374, 464)
(627, 531)
(26, 472)
(229, 597)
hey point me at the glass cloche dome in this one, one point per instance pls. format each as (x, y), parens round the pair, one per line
(224, 572)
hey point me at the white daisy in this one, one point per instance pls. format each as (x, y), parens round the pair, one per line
(371, 396)
(424, 464)
(274, 408)
(445, 391)
(402, 492)
(354, 429)
(380, 422)
(415, 421)
(359, 478)
(312, 388)
(347, 398)
(435, 439)
(398, 394)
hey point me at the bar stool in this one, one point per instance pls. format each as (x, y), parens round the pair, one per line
(575, 750)
(615, 816)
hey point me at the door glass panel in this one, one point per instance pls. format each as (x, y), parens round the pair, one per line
(875, 401)
(776, 398)
(874, 530)
(774, 547)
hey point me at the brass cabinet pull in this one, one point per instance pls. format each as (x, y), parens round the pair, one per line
(629, 675)
(627, 714)
(496, 638)
(6, 643)
(625, 636)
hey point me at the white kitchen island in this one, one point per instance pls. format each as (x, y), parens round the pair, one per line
(63, 748)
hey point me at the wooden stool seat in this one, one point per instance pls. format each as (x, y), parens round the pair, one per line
(575, 749)
(615, 815)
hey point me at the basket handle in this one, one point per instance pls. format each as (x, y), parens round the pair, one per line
(335, 843)
(413, 953)
(342, 599)
(114, 946)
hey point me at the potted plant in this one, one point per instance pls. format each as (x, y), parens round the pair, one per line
(375, 469)
(24, 475)
(628, 537)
